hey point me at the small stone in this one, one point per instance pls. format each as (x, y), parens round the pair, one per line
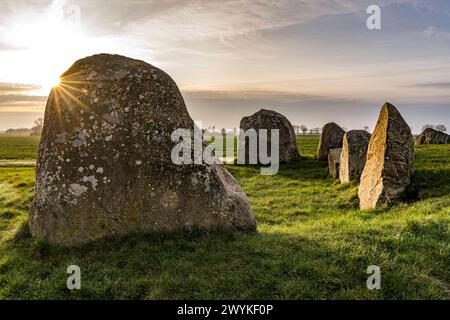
(334, 156)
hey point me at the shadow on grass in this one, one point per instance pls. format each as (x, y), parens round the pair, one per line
(191, 266)
(196, 265)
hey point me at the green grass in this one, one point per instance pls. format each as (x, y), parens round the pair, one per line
(18, 147)
(312, 243)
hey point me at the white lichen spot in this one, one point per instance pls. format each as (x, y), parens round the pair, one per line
(138, 162)
(108, 138)
(61, 138)
(77, 189)
(91, 167)
(80, 169)
(80, 140)
(99, 170)
(92, 180)
(95, 100)
(91, 75)
(67, 160)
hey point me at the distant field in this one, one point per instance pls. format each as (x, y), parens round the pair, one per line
(18, 147)
(307, 144)
(312, 243)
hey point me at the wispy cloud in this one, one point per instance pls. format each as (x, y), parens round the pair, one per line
(6, 87)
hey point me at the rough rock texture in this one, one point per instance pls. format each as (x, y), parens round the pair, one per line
(353, 157)
(331, 138)
(269, 119)
(390, 160)
(334, 159)
(104, 165)
(432, 136)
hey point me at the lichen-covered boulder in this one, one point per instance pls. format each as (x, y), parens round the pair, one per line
(104, 166)
(390, 160)
(269, 119)
(353, 156)
(330, 138)
(432, 136)
(334, 159)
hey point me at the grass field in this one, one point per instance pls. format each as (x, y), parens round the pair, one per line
(312, 243)
(18, 147)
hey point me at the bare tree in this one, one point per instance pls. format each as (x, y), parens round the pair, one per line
(427, 126)
(441, 127)
(37, 129)
(366, 128)
(303, 128)
(315, 131)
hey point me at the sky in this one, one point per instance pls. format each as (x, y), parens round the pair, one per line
(315, 61)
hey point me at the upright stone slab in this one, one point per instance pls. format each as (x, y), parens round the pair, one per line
(334, 160)
(330, 138)
(390, 160)
(104, 166)
(353, 157)
(269, 119)
(432, 136)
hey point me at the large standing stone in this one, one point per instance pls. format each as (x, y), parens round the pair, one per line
(269, 119)
(334, 160)
(390, 160)
(353, 157)
(330, 138)
(104, 165)
(432, 136)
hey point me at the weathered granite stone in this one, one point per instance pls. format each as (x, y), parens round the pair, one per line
(269, 119)
(334, 159)
(330, 138)
(104, 166)
(432, 136)
(390, 160)
(353, 157)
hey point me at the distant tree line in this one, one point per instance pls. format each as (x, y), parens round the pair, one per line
(36, 130)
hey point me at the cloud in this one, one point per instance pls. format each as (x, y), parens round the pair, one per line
(437, 85)
(20, 98)
(19, 95)
(259, 96)
(434, 33)
(6, 87)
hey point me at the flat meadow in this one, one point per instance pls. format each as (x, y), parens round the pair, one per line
(312, 241)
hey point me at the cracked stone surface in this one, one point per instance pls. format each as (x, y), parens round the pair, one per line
(390, 160)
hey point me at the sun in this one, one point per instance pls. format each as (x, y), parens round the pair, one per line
(49, 43)
(48, 84)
